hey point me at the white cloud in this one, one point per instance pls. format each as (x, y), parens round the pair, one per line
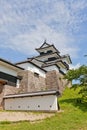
(28, 23)
(79, 5)
(27, 42)
(75, 66)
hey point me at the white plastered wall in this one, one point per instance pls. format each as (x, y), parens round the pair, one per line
(37, 103)
(8, 70)
(32, 68)
(50, 68)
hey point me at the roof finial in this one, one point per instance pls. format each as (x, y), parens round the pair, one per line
(45, 41)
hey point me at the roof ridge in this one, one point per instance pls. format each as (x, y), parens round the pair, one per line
(44, 44)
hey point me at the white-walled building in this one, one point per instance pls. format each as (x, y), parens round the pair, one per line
(35, 101)
(34, 84)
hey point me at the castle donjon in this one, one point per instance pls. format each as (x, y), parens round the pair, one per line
(36, 83)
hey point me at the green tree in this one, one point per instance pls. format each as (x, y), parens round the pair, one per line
(79, 75)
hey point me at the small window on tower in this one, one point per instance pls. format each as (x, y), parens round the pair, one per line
(36, 74)
(42, 53)
(52, 58)
(50, 51)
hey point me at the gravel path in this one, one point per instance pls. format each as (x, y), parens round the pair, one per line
(23, 116)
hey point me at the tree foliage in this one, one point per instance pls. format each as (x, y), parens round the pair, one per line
(79, 75)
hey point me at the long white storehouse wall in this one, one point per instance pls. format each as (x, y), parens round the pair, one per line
(36, 103)
(8, 70)
(50, 68)
(32, 68)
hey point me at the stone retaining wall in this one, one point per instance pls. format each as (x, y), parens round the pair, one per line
(1, 95)
(32, 82)
(54, 80)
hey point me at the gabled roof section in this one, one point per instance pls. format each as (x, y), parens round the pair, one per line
(28, 61)
(65, 65)
(45, 44)
(67, 57)
(10, 64)
(54, 65)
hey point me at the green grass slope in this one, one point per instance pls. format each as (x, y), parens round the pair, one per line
(73, 116)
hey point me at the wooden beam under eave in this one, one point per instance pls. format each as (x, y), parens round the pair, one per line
(3, 82)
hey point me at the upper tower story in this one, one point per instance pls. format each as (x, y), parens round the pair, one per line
(49, 56)
(49, 59)
(46, 48)
(50, 51)
(47, 52)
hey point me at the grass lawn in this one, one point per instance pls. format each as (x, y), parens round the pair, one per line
(74, 116)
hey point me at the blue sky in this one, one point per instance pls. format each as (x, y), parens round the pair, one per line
(25, 24)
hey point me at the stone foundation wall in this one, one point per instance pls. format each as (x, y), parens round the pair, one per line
(6, 90)
(28, 83)
(31, 83)
(23, 87)
(61, 81)
(51, 80)
(35, 83)
(10, 90)
(54, 80)
(1, 95)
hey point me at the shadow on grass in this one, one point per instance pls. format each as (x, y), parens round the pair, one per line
(77, 102)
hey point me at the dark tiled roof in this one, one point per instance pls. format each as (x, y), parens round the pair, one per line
(48, 54)
(31, 94)
(64, 56)
(27, 61)
(45, 43)
(55, 62)
(46, 65)
(56, 66)
(47, 47)
(39, 60)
